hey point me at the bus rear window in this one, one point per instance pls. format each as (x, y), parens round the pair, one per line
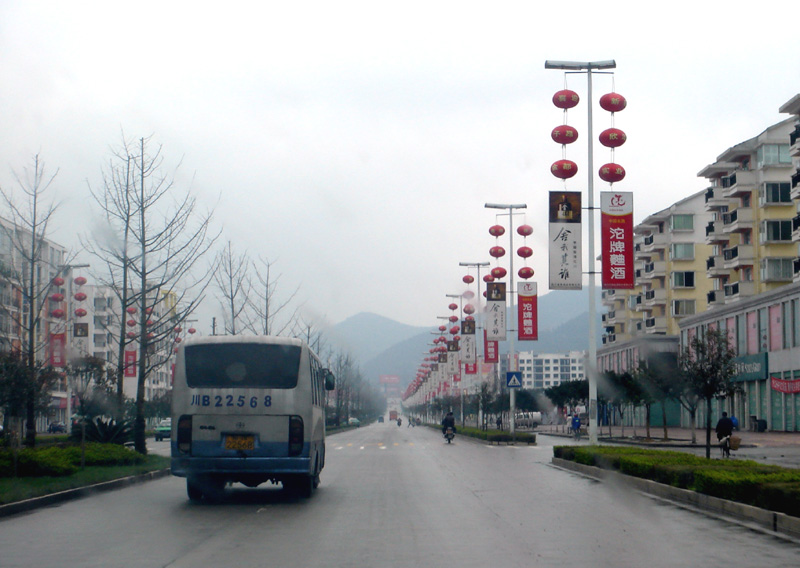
(242, 365)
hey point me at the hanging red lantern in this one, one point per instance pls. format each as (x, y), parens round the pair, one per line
(148, 311)
(525, 272)
(497, 230)
(453, 319)
(442, 327)
(59, 313)
(469, 294)
(175, 350)
(178, 340)
(469, 309)
(150, 322)
(488, 278)
(453, 306)
(525, 230)
(564, 169)
(131, 323)
(611, 173)
(80, 296)
(612, 138)
(469, 318)
(192, 330)
(131, 310)
(468, 279)
(58, 281)
(178, 329)
(80, 281)
(497, 252)
(57, 297)
(151, 335)
(613, 102)
(525, 252)
(456, 337)
(80, 312)
(131, 334)
(564, 134)
(454, 329)
(565, 99)
(499, 272)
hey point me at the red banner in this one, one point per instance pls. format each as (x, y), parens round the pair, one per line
(490, 354)
(58, 349)
(130, 363)
(527, 312)
(616, 236)
(471, 368)
(784, 386)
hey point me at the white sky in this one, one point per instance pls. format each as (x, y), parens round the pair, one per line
(357, 142)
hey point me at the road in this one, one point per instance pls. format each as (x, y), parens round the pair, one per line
(391, 497)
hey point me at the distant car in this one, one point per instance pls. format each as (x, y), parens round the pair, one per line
(57, 428)
(380, 419)
(354, 422)
(164, 429)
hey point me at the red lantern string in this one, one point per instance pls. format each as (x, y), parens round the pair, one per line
(564, 134)
(612, 137)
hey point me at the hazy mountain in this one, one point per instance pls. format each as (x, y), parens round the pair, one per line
(365, 335)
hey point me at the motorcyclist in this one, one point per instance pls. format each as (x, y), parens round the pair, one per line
(449, 421)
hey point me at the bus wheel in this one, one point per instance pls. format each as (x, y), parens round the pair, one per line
(302, 485)
(194, 490)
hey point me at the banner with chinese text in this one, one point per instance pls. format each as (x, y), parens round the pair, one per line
(58, 349)
(490, 350)
(616, 239)
(130, 363)
(496, 311)
(527, 311)
(566, 265)
(469, 345)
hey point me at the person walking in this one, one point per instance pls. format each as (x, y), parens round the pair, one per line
(724, 431)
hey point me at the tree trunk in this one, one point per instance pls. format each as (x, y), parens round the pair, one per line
(708, 428)
(647, 420)
(693, 424)
(664, 418)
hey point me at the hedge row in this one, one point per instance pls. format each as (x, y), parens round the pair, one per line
(770, 487)
(492, 435)
(59, 461)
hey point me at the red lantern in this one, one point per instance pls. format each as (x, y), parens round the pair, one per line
(453, 306)
(497, 252)
(469, 318)
(613, 102)
(80, 296)
(131, 334)
(499, 272)
(488, 278)
(612, 138)
(192, 330)
(525, 252)
(469, 294)
(454, 329)
(148, 311)
(80, 281)
(456, 337)
(59, 313)
(525, 272)
(57, 297)
(469, 309)
(565, 99)
(453, 319)
(131, 310)
(442, 327)
(178, 340)
(80, 312)
(151, 335)
(178, 329)
(564, 134)
(150, 322)
(497, 230)
(468, 279)
(564, 169)
(131, 323)
(58, 281)
(611, 173)
(175, 350)
(525, 230)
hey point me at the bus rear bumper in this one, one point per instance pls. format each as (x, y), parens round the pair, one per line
(187, 466)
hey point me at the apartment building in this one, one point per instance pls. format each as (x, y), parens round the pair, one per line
(543, 370)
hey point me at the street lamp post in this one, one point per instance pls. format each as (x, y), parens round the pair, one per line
(460, 374)
(587, 67)
(512, 363)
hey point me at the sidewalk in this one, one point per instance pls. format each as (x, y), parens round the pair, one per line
(776, 448)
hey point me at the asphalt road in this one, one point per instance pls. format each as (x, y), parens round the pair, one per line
(391, 497)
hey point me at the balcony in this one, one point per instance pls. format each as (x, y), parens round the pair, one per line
(638, 276)
(738, 256)
(794, 141)
(738, 220)
(639, 253)
(738, 290)
(715, 233)
(656, 325)
(715, 298)
(655, 269)
(796, 266)
(655, 297)
(655, 241)
(795, 193)
(739, 183)
(636, 304)
(715, 267)
(796, 229)
(715, 198)
(609, 338)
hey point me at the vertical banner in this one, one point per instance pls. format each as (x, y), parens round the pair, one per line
(616, 239)
(58, 349)
(470, 368)
(130, 363)
(452, 358)
(469, 345)
(496, 310)
(565, 240)
(527, 311)
(490, 350)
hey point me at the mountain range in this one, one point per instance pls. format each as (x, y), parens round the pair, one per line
(383, 346)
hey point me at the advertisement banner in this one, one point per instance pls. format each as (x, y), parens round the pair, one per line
(471, 369)
(616, 239)
(469, 345)
(527, 311)
(565, 240)
(490, 350)
(389, 379)
(785, 386)
(130, 363)
(496, 310)
(58, 349)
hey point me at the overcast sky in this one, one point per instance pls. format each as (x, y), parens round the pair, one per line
(355, 143)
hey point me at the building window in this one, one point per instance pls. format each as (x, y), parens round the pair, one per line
(777, 269)
(682, 307)
(681, 222)
(774, 192)
(682, 251)
(776, 231)
(772, 154)
(683, 279)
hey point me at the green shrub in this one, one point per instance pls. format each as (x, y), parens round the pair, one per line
(37, 463)
(105, 431)
(637, 466)
(783, 497)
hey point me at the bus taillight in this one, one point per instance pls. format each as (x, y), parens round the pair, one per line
(295, 435)
(184, 440)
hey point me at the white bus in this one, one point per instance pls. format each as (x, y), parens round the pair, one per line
(249, 410)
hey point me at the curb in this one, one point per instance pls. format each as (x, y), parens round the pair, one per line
(763, 519)
(79, 492)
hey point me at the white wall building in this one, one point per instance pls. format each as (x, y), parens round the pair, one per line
(543, 370)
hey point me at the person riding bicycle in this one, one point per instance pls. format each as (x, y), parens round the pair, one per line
(449, 421)
(724, 430)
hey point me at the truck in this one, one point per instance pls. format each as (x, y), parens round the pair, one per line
(393, 415)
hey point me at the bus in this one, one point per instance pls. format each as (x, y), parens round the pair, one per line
(248, 409)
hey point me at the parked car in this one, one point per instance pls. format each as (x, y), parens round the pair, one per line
(354, 422)
(57, 428)
(164, 429)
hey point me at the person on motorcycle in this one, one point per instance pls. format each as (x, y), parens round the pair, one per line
(449, 421)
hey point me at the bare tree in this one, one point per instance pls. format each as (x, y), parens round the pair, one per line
(266, 306)
(232, 279)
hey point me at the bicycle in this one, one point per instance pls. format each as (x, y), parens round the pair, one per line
(725, 447)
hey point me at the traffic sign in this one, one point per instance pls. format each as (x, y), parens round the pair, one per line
(514, 379)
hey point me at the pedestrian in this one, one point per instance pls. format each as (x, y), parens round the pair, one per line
(576, 425)
(499, 423)
(724, 430)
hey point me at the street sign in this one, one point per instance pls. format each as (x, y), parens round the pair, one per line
(514, 379)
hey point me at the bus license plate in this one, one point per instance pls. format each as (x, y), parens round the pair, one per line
(240, 442)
